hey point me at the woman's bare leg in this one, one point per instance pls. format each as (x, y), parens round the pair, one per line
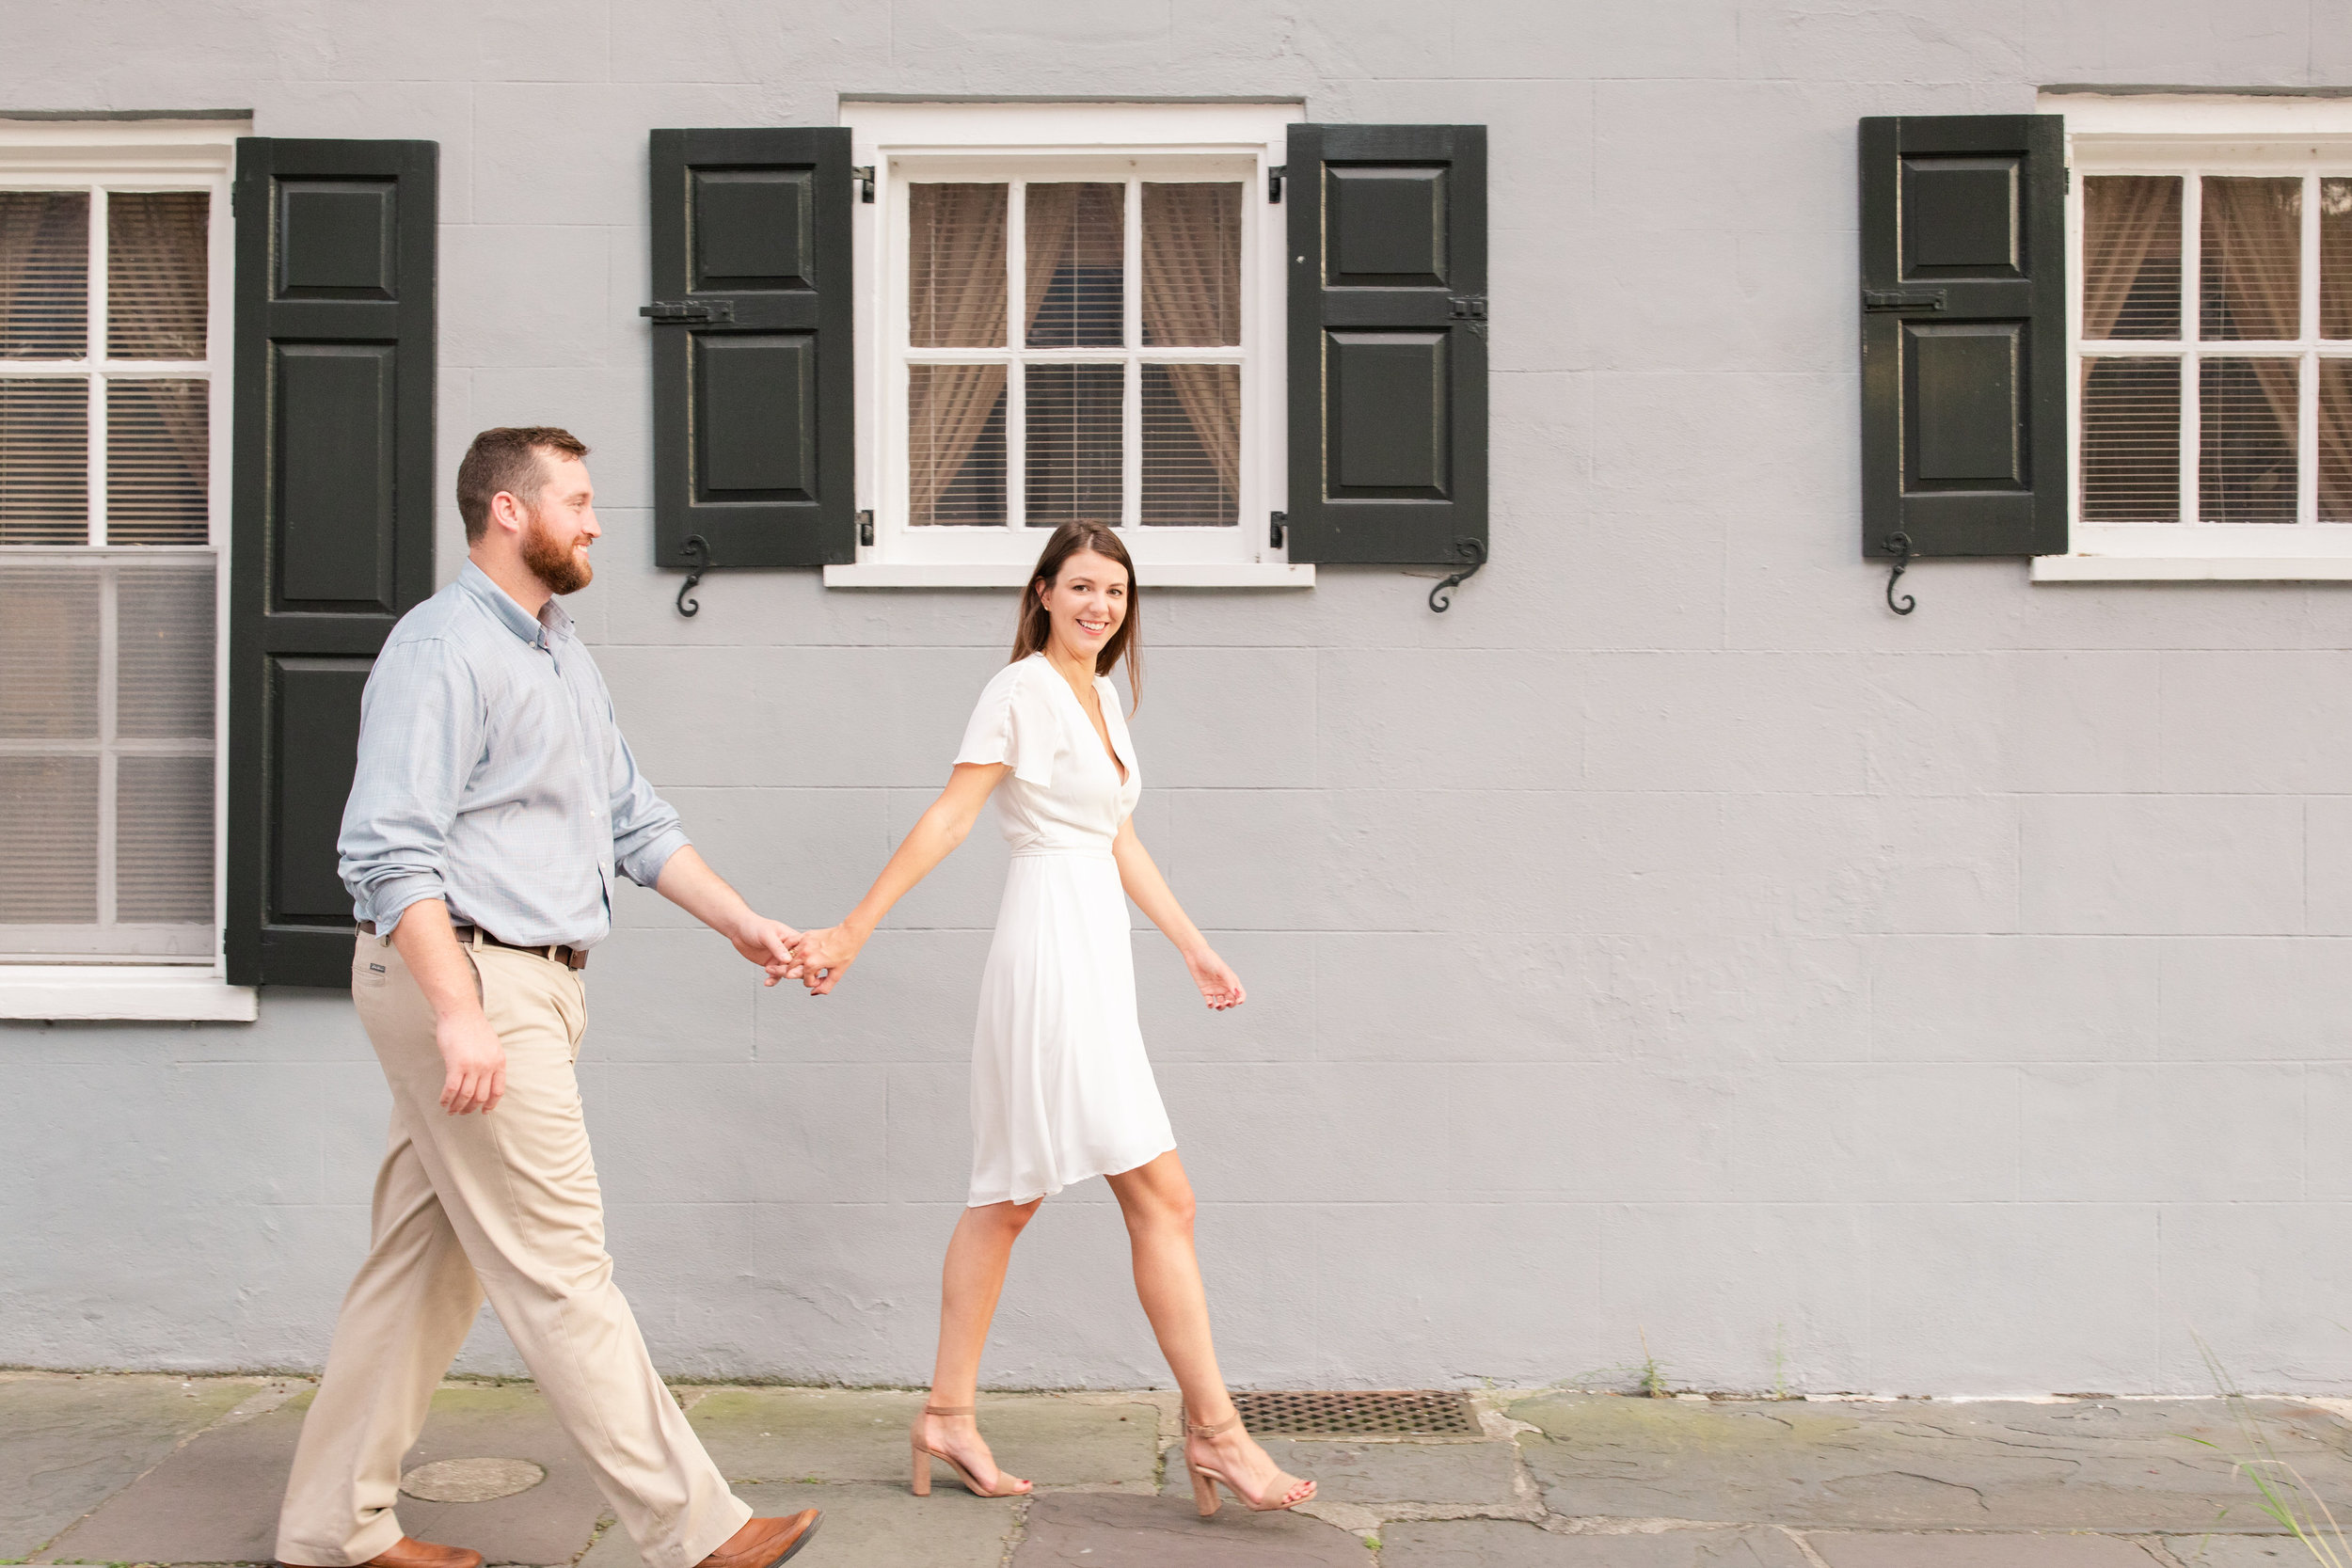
(969, 1283)
(1156, 1199)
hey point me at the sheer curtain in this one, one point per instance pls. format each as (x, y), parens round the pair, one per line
(1192, 299)
(956, 289)
(2251, 287)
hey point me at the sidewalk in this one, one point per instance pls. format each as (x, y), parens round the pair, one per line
(150, 1470)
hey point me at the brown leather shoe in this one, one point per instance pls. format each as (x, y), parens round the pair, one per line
(409, 1553)
(763, 1543)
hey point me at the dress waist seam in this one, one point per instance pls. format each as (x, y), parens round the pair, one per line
(1041, 852)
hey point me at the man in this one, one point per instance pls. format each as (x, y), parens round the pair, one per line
(493, 802)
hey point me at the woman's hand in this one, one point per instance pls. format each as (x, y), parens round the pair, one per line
(823, 956)
(1220, 988)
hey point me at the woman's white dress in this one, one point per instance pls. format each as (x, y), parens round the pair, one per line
(1060, 1088)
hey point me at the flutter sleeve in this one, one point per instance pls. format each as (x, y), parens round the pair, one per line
(1013, 723)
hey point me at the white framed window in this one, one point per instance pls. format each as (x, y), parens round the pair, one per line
(1070, 311)
(114, 294)
(2210, 334)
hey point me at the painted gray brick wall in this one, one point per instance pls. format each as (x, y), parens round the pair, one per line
(1667, 941)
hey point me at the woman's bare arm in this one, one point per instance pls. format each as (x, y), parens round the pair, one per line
(1219, 985)
(825, 955)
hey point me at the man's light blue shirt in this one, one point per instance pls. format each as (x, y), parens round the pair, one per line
(492, 774)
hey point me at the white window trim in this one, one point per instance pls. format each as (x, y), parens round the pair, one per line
(2167, 133)
(897, 139)
(177, 154)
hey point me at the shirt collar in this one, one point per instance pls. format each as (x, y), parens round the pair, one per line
(554, 621)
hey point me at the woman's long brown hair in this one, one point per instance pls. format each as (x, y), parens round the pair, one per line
(1037, 627)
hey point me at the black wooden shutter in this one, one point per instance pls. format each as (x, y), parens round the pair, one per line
(1964, 334)
(751, 375)
(332, 524)
(1387, 343)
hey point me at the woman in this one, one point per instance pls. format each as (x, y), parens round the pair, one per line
(1062, 1090)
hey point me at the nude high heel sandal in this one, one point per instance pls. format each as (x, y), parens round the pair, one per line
(1288, 1491)
(924, 1456)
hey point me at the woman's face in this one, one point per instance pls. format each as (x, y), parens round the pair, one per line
(1087, 602)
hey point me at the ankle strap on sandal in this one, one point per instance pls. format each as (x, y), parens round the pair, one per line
(1193, 1429)
(947, 1410)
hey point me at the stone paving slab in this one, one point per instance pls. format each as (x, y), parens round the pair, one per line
(834, 1434)
(68, 1443)
(1455, 1473)
(1505, 1543)
(2130, 1467)
(215, 1500)
(1875, 1549)
(2241, 1551)
(868, 1523)
(1104, 1529)
(550, 1523)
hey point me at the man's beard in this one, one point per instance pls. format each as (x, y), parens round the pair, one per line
(559, 569)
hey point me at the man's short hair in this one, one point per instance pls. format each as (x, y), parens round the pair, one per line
(512, 458)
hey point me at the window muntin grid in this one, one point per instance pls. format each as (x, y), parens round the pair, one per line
(2211, 385)
(112, 470)
(1179, 496)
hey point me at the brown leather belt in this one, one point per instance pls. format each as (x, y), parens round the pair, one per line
(474, 936)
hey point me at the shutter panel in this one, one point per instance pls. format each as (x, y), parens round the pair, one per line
(1387, 343)
(331, 522)
(1964, 334)
(753, 383)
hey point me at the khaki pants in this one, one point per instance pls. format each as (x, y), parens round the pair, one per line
(506, 1204)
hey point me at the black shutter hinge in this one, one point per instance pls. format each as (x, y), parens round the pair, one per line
(864, 173)
(2070, 178)
(1279, 522)
(683, 312)
(866, 528)
(1902, 299)
(1467, 308)
(1274, 175)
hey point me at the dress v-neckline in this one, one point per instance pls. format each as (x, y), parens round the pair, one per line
(1110, 747)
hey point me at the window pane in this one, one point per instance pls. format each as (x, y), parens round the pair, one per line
(164, 839)
(164, 635)
(1076, 245)
(49, 855)
(2132, 440)
(956, 444)
(2335, 257)
(956, 266)
(48, 652)
(157, 455)
(2132, 256)
(2335, 440)
(2251, 263)
(1075, 415)
(2245, 441)
(44, 275)
(44, 462)
(156, 275)
(1191, 266)
(1191, 445)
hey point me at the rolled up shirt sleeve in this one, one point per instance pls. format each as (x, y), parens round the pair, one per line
(647, 830)
(422, 729)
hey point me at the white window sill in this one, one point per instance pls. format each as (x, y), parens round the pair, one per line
(1014, 574)
(2202, 552)
(2126, 568)
(108, 992)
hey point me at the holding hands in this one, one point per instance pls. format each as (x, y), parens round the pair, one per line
(819, 959)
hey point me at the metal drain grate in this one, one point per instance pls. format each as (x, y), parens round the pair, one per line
(1384, 1412)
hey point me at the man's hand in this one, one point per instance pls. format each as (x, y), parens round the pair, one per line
(476, 1063)
(768, 943)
